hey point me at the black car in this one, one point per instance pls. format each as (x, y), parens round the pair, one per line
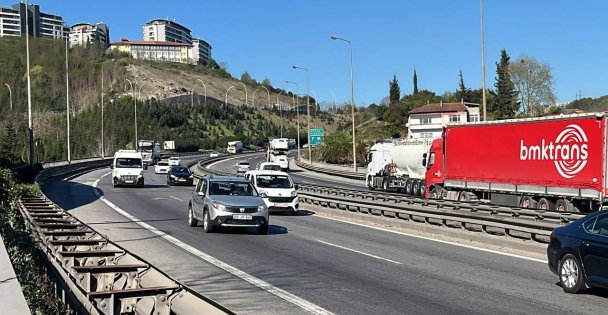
(578, 253)
(179, 175)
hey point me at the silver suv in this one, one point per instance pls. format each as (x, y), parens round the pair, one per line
(221, 201)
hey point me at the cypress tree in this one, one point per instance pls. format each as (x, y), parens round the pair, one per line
(415, 82)
(505, 103)
(394, 90)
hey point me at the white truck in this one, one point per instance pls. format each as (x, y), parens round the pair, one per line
(397, 165)
(235, 147)
(150, 151)
(128, 168)
(277, 152)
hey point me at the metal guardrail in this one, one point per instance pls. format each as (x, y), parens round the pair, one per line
(97, 276)
(319, 169)
(487, 218)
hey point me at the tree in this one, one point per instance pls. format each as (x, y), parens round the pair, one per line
(415, 82)
(505, 103)
(394, 90)
(534, 84)
(463, 94)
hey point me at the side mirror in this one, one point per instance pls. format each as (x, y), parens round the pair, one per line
(200, 193)
(424, 159)
(111, 166)
(145, 166)
(296, 186)
(263, 195)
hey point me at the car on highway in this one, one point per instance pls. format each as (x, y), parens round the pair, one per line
(269, 166)
(279, 189)
(242, 167)
(162, 167)
(578, 253)
(225, 201)
(179, 175)
(175, 160)
(214, 154)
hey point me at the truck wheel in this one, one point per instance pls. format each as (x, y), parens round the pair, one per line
(408, 187)
(370, 183)
(563, 205)
(415, 187)
(527, 202)
(385, 185)
(434, 193)
(464, 196)
(422, 189)
(545, 204)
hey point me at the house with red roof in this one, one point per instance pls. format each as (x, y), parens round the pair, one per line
(427, 121)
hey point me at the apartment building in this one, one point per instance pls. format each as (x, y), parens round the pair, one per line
(428, 121)
(155, 50)
(167, 31)
(201, 50)
(12, 22)
(84, 34)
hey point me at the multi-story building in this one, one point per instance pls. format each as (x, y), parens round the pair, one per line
(83, 34)
(12, 22)
(154, 50)
(167, 31)
(201, 50)
(427, 121)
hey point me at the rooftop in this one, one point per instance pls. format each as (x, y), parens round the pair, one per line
(124, 41)
(440, 108)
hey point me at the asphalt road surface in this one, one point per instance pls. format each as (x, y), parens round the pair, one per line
(311, 264)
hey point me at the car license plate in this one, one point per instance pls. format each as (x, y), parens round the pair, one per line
(242, 217)
(129, 181)
(281, 205)
(182, 179)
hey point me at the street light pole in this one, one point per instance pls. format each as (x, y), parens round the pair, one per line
(267, 93)
(243, 84)
(102, 144)
(297, 107)
(253, 97)
(135, 117)
(228, 90)
(192, 95)
(205, 87)
(280, 112)
(10, 95)
(352, 93)
(29, 84)
(307, 110)
(483, 62)
(67, 96)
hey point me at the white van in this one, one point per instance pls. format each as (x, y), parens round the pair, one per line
(280, 191)
(128, 168)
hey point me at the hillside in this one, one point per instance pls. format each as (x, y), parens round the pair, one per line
(164, 103)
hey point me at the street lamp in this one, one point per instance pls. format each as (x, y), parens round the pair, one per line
(67, 95)
(243, 84)
(253, 97)
(29, 84)
(192, 95)
(205, 87)
(228, 90)
(135, 103)
(297, 107)
(280, 112)
(10, 95)
(483, 62)
(307, 110)
(352, 91)
(268, 93)
(102, 144)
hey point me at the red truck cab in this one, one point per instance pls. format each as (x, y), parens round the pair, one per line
(434, 166)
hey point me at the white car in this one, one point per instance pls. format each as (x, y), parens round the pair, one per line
(269, 166)
(214, 154)
(282, 161)
(162, 167)
(279, 189)
(175, 161)
(242, 167)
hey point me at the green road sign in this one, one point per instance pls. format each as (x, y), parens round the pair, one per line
(316, 136)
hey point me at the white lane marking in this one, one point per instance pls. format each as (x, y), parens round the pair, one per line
(359, 252)
(175, 198)
(439, 241)
(291, 298)
(220, 161)
(160, 198)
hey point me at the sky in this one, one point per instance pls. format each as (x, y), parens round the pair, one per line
(437, 38)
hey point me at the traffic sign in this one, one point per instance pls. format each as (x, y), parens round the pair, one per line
(317, 136)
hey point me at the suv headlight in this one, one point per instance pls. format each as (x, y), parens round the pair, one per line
(218, 206)
(173, 176)
(262, 207)
(191, 176)
(294, 193)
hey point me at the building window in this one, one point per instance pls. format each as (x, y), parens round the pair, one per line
(454, 118)
(425, 120)
(426, 135)
(474, 118)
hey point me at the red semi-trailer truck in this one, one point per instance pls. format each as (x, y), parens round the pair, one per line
(553, 163)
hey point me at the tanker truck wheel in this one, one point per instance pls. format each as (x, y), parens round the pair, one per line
(385, 184)
(370, 183)
(415, 187)
(422, 191)
(408, 187)
(434, 193)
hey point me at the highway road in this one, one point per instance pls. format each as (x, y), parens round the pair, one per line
(312, 264)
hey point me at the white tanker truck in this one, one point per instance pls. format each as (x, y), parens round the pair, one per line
(397, 166)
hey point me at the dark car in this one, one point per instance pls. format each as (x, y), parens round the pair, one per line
(578, 253)
(179, 175)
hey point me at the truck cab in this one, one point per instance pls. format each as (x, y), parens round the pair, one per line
(128, 168)
(433, 162)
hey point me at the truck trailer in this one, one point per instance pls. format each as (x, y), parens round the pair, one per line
(235, 147)
(397, 165)
(552, 163)
(277, 152)
(150, 151)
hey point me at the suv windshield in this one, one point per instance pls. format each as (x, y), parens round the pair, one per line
(274, 181)
(180, 170)
(271, 167)
(128, 162)
(232, 189)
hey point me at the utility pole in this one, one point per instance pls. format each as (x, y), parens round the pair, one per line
(102, 144)
(29, 84)
(67, 96)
